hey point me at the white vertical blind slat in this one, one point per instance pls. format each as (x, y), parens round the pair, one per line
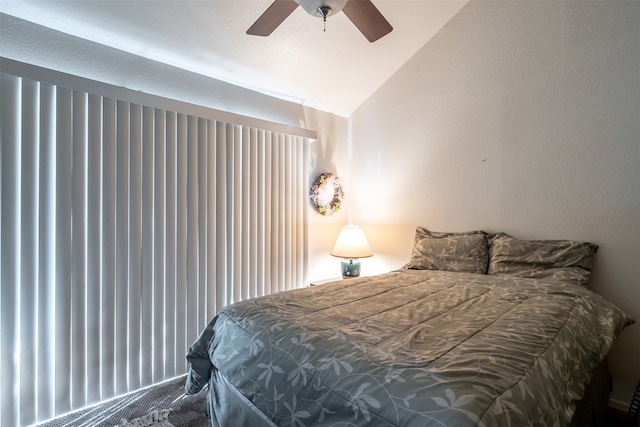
(147, 302)
(125, 229)
(288, 213)
(28, 246)
(254, 212)
(108, 277)
(94, 226)
(235, 213)
(181, 244)
(298, 181)
(135, 246)
(226, 211)
(170, 245)
(78, 249)
(300, 209)
(304, 184)
(191, 295)
(79, 255)
(63, 256)
(296, 280)
(274, 210)
(46, 310)
(211, 220)
(10, 113)
(108, 231)
(295, 188)
(244, 174)
(270, 284)
(122, 170)
(305, 208)
(280, 216)
(202, 153)
(221, 217)
(260, 213)
(159, 214)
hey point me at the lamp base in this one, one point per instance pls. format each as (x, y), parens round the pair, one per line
(350, 268)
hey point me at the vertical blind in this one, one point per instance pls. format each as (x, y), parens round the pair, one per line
(124, 229)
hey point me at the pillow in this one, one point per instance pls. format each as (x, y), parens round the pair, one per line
(463, 252)
(564, 260)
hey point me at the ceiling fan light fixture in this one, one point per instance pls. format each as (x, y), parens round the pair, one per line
(324, 11)
(322, 8)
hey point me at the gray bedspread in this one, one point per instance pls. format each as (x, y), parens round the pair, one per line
(412, 348)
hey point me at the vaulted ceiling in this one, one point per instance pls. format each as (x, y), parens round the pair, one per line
(334, 70)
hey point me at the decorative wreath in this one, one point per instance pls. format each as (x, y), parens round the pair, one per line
(326, 194)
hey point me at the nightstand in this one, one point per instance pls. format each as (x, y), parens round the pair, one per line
(323, 281)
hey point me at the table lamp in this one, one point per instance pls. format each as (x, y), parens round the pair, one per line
(351, 245)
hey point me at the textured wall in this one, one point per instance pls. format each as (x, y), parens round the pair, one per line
(31, 43)
(520, 117)
(328, 154)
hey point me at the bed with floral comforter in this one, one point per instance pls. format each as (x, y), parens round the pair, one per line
(406, 348)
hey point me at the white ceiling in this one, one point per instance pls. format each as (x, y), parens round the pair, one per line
(334, 70)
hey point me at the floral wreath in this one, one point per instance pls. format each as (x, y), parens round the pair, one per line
(326, 194)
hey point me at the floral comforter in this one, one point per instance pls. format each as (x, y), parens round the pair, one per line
(412, 348)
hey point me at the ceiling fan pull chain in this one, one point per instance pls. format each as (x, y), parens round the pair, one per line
(324, 11)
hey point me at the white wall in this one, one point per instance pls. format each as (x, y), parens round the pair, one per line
(521, 117)
(34, 44)
(328, 154)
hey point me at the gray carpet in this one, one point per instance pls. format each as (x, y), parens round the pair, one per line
(188, 411)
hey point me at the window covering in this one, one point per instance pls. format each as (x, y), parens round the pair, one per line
(124, 229)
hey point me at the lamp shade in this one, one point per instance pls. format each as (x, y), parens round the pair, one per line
(351, 243)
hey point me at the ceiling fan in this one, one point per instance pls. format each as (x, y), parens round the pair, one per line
(364, 15)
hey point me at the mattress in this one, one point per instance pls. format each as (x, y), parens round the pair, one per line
(406, 348)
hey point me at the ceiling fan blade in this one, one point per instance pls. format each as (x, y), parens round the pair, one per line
(367, 18)
(272, 17)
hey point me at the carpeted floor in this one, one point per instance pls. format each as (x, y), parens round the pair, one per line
(188, 411)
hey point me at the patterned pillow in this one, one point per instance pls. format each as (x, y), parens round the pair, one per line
(564, 260)
(463, 252)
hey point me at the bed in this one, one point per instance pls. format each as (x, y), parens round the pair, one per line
(476, 329)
